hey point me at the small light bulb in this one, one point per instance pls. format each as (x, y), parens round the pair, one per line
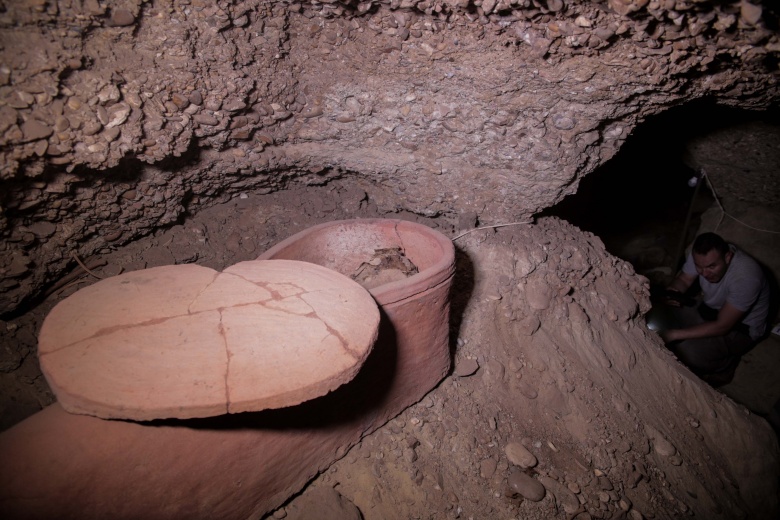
(693, 181)
(652, 325)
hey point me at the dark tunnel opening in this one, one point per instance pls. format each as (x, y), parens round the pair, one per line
(646, 202)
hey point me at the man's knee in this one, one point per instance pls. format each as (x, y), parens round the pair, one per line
(703, 356)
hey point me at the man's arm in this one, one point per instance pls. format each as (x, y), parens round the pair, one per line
(679, 285)
(682, 283)
(728, 317)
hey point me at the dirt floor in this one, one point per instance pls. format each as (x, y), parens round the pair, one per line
(561, 404)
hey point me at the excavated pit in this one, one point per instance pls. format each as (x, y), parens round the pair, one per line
(154, 133)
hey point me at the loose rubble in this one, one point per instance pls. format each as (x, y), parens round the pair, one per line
(590, 445)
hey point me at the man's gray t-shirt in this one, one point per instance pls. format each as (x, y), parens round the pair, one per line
(744, 286)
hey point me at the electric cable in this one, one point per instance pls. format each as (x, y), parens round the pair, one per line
(492, 227)
(724, 213)
(704, 176)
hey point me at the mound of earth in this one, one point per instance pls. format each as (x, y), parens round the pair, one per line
(572, 396)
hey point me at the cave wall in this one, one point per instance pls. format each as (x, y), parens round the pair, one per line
(118, 118)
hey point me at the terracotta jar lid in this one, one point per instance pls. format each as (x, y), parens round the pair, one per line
(186, 341)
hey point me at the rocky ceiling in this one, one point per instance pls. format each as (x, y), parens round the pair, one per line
(118, 117)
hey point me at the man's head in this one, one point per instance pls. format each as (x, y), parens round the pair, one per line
(712, 256)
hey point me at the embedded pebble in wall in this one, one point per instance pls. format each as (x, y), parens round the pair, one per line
(196, 98)
(40, 148)
(582, 21)
(519, 455)
(281, 115)
(661, 445)
(487, 468)
(22, 99)
(524, 485)
(494, 371)
(97, 148)
(264, 138)
(73, 103)
(5, 74)
(111, 134)
(109, 93)
(312, 111)
(205, 119)
(121, 18)
(529, 325)
(750, 12)
(91, 128)
(180, 100)
(493, 296)
(410, 455)
(213, 103)
(675, 460)
(102, 114)
(112, 236)
(538, 294)
(133, 99)
(117, 115)
(33, 130)
(466, 367)
(562, 494)
(61, 124)
(7, 118)
(233, 105)
(353, 105)
(563, 122)
(526, 390)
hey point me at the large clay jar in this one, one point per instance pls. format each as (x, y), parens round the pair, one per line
(238, 466)
(413, 343)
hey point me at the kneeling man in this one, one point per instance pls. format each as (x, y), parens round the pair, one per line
(732, 317)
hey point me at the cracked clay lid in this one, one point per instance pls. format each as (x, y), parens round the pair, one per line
(186, 341)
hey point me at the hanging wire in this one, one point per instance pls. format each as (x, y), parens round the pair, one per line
(704, 176)
(723, 210)
(493, 227)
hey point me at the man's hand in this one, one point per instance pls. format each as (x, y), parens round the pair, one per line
(672, 298)
(728, 317)
(677, 299)
(669, 335)
(681, 283)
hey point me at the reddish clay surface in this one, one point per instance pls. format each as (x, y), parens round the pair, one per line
(187, 341)
(67, 466)
(237, 466)
(414, 334)
(343, 245)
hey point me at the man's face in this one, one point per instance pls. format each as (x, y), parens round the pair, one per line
(712, 266)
